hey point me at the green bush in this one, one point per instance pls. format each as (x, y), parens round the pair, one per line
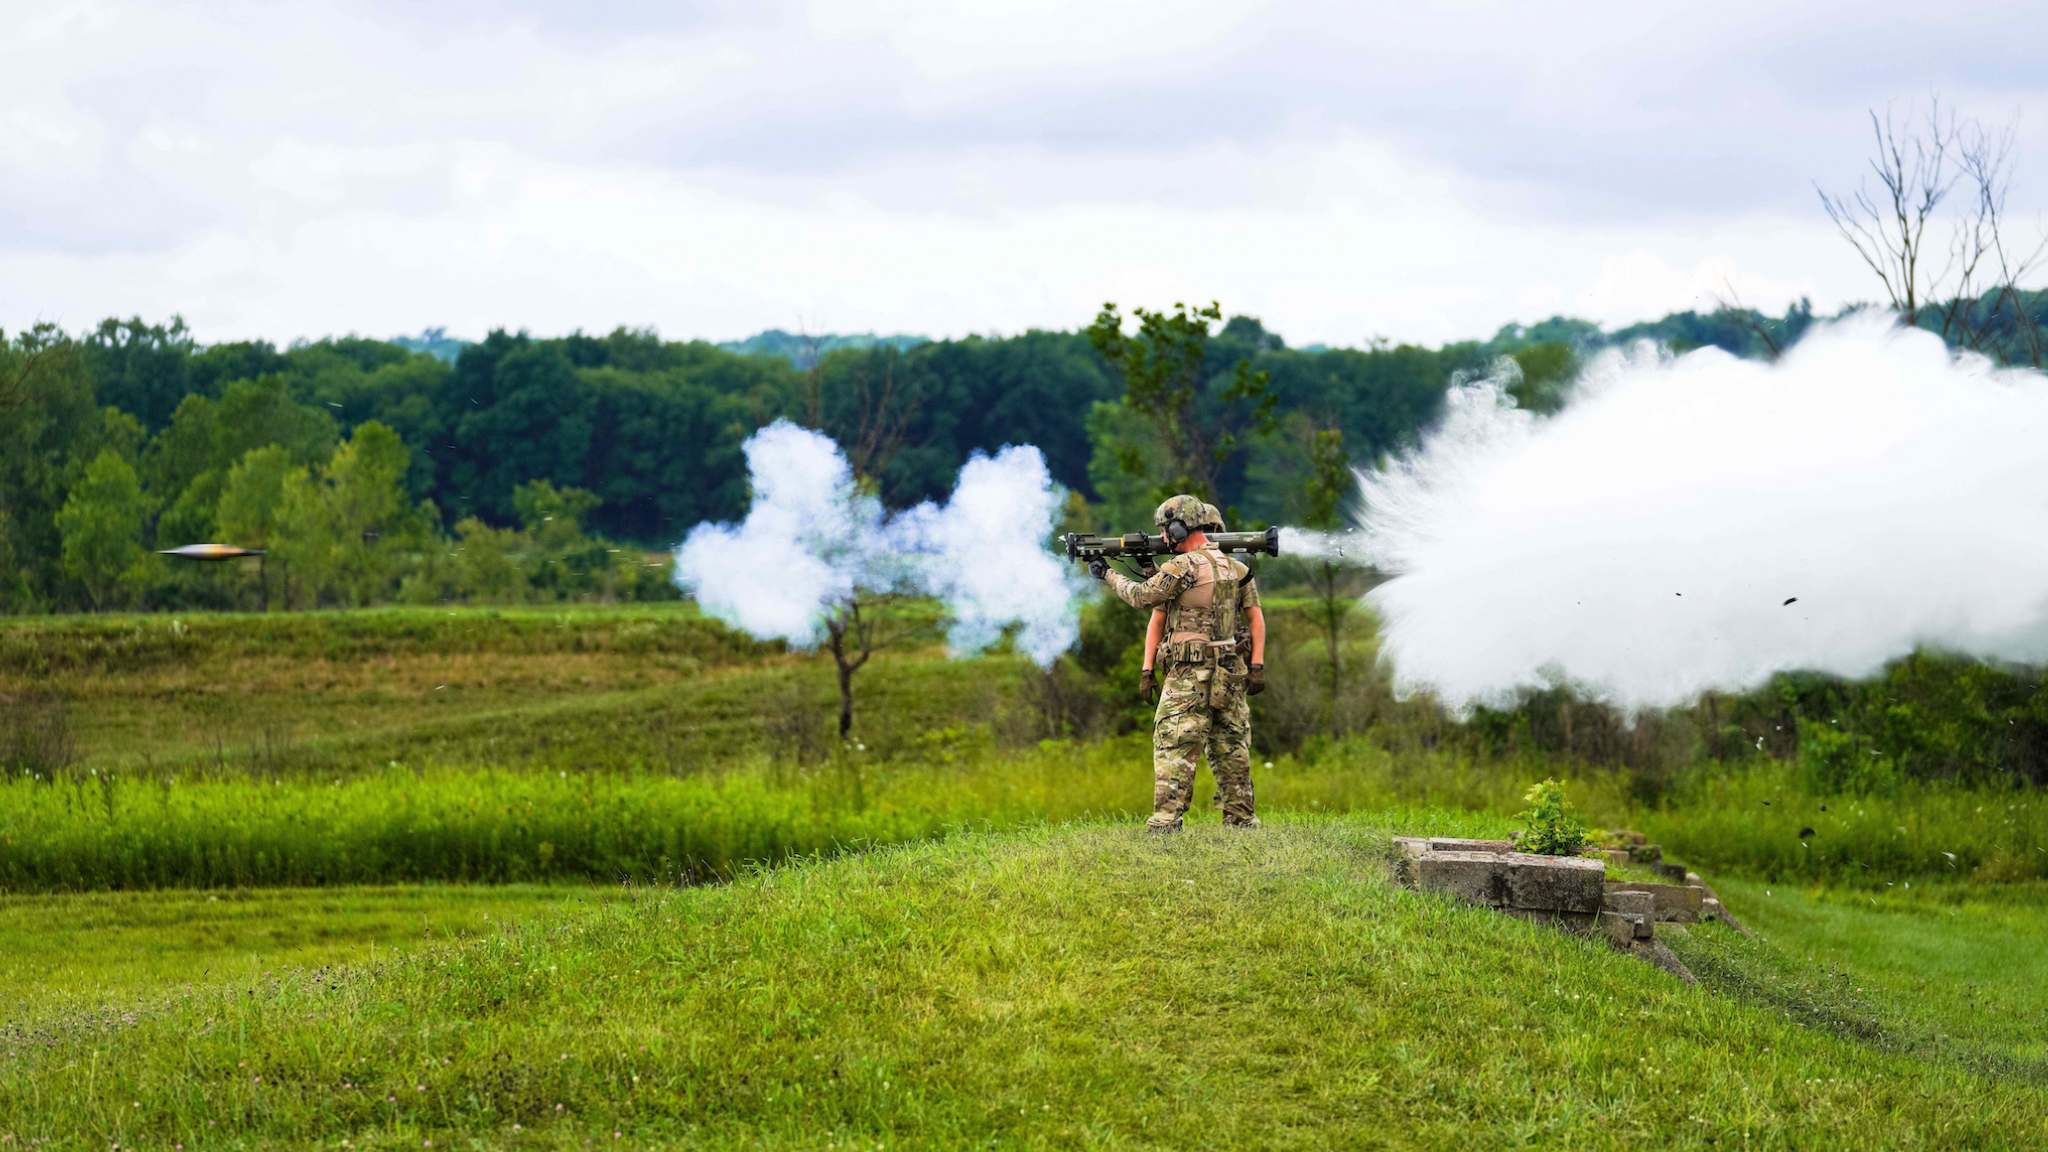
(1552, 829)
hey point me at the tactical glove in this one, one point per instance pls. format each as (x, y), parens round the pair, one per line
(1146, 568)
(1148, 688)
(1257, 683)
(1098, 568)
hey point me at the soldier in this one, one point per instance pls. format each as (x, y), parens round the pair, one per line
(1212, 521)
(1202, 705)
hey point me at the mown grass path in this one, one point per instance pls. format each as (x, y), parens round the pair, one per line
(1079, 986)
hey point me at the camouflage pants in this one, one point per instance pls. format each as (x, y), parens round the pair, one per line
(1184, 727)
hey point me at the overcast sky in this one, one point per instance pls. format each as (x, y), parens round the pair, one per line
(1342, 170)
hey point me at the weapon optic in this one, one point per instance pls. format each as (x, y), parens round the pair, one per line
(1087, 546)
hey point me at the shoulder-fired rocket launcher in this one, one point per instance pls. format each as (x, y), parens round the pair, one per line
(1087, 546)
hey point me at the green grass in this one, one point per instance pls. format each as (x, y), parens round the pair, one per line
(1748, 821)
(1058, 987)
(401, 825)
(328, 692)
(1966, 958)
(706, 808)
(98, 948)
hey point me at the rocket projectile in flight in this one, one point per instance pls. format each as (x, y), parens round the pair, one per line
(211, 552)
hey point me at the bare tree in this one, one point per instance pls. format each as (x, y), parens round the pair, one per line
(1917, 163)
(1986, 159)
(871, 411)
(1728, 301)
(858, 627)
(1888, 225)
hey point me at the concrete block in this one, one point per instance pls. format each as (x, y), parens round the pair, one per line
(1693, 878)
(1616, 858)
(1710, 909)
(1474, 877)
(1634, 903)
(1672, 872)
(1411, 849)
(1677, 903)
(1646, 853)
(1582, 922)
(1555, 883)
(1620, 929)
(1497, 847)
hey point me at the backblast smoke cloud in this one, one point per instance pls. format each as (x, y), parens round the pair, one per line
(1700, 521)
(811, 539)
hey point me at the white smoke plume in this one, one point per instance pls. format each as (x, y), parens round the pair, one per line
(1345, 549)
(812, 539)
(1700, 521)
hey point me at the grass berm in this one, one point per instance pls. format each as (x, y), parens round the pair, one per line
(1057, 986)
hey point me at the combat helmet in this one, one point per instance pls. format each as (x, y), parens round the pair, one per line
(1212, 520)
(1180, 516)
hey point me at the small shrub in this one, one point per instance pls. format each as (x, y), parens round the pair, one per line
(1553, 830)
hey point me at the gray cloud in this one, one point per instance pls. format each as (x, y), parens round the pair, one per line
(257, 130)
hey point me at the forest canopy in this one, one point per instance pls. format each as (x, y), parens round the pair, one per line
(519, 467)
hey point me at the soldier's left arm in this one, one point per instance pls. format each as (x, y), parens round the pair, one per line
(1257, 617)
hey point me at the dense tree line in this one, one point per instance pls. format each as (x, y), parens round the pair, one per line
(373, 470)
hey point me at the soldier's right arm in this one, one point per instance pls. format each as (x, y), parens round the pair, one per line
(1173, 578)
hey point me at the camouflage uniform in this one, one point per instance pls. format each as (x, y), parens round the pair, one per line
(1202, 701)
(1212, 521)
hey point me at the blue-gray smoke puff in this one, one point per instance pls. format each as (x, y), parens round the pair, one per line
(812, 539)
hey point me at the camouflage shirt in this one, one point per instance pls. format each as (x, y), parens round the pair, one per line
(1181, 573)
(1176, 574)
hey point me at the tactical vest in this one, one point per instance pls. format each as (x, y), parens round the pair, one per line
(1201, 627)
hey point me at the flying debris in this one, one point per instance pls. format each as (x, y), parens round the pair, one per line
(210, 552)
(1790, 600)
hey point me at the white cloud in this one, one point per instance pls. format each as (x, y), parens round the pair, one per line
(1425, 172)
(1639, 284)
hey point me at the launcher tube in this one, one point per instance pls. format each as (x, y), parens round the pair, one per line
(1087, 546)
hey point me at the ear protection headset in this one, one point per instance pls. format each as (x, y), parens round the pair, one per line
(1176, 531)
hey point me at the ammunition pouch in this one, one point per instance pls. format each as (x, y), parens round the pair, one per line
(1227, 680)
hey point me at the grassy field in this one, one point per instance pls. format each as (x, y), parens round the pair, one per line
(337, 692)
(72, 952)
(1053, 987)
(934, 959)
(1966, 958)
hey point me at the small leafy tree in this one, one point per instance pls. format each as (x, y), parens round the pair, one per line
(1553, 830)
(252, 504)
(101, 524)
(1162, 367)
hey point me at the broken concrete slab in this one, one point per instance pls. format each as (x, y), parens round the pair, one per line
(1584, 922)
(1444, 844)
(1556, 883)
(1679, 903)
(1616, 858)
(1618, 899)
(1646, 853)
(1474, 877)
(1619, 927)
